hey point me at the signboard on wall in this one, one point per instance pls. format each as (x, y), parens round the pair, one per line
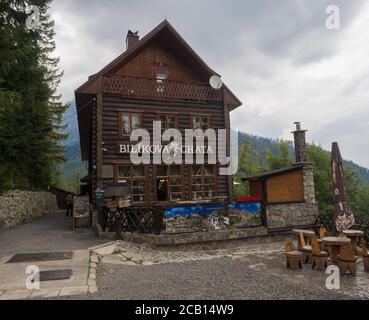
(212, 217)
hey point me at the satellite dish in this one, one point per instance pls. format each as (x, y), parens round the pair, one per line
(215, 82)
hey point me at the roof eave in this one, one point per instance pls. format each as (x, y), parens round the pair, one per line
(294, 167)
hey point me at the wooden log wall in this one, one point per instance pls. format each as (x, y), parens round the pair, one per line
(112, 105)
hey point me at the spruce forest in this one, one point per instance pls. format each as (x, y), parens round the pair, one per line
(30, 109)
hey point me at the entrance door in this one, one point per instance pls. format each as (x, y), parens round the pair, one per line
(162, 190)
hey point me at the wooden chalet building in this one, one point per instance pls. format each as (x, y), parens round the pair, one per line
(158, 77)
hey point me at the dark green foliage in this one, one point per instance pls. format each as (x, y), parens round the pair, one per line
(281, 159)
(251, 162)
(357, 191)
(321, 161)
(72, 182)
(30, 111)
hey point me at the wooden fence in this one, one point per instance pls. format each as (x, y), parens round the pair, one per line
(328, 223)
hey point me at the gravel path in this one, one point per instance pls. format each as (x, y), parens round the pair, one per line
(51, 232)
(221, 278)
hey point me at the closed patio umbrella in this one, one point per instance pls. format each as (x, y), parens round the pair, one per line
(344, 218)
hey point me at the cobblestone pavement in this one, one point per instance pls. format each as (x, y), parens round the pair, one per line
(128, 271)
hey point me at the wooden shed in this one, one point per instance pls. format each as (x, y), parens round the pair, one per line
(280, 186)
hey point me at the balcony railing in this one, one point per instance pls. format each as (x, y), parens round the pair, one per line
(141, 88)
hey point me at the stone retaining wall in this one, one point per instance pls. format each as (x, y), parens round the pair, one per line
(196, 237)
(291, 215)
(17, 207)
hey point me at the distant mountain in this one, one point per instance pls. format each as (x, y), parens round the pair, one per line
(70, 118)
(363, 172)
(72, 146)
(260, 144)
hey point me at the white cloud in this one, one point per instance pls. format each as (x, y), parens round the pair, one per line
(277, 56)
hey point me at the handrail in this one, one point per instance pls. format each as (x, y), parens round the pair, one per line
(146, 88)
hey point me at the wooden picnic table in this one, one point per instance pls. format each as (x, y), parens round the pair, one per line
(335, 244)
(353, 235)
(308, 235)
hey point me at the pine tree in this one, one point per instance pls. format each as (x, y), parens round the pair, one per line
(249, 163)
(282, 160)
(28, 72)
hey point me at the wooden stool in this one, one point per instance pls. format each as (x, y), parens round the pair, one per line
(319, 259)
(365, 254)
(306, 250)
(347, 260)
(293, 257)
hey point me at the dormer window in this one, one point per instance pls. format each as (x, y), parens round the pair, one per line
(160, 79)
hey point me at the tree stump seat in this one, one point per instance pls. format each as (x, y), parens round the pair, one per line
(347, 260)
(293, 257)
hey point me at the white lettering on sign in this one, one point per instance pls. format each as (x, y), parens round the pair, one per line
(198, 143)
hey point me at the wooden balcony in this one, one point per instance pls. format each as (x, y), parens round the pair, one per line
(151, 89)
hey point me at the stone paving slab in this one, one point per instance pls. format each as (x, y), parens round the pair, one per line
(16, 294)
(73, 291)
(45, 293)
(13, 278)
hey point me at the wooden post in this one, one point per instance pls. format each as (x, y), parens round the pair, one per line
(264, 203)
(228, 127)
(99, 141)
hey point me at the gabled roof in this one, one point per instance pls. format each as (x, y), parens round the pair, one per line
(172, 39)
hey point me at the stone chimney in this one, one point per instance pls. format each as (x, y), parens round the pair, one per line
(300, 143)
(132, 39)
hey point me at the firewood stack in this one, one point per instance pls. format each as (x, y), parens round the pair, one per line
(119, 203)
(123, 202)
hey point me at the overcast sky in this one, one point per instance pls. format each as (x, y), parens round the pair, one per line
(278, 57)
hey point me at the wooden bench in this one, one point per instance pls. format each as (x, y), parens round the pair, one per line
(365, 254)
(305, 249)
(319, 258)
(308, 234)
